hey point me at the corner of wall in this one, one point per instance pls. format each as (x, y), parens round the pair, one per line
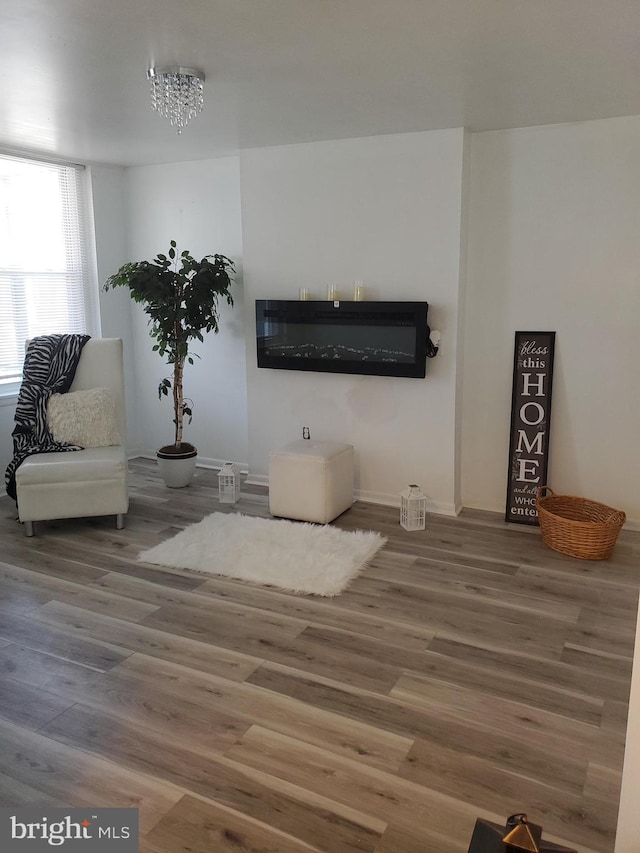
(109, 211)
(465, 181)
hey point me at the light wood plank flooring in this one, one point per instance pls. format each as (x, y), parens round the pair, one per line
(468, 672)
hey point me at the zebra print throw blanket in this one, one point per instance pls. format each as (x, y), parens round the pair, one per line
(49, 367)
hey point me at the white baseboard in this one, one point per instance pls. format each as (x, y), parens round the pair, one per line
(140, 454)
(382, 498)
(202, 461)
(257, 480)
(216, 464)
(630, 523)
(390, 499)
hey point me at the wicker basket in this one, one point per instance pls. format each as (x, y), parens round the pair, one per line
(577, 526)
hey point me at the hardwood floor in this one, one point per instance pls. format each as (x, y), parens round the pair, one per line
(468, 672)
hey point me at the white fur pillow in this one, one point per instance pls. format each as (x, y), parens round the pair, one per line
(87, 418)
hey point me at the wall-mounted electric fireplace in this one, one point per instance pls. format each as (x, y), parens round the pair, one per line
(376, 338)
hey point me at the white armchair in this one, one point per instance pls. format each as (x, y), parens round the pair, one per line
(81, 483)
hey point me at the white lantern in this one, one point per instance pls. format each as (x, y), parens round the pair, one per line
(413, 508)
(229, 483)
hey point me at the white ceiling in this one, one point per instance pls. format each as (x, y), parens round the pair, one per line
(73, 72)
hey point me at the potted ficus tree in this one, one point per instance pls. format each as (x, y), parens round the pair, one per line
(181, 297)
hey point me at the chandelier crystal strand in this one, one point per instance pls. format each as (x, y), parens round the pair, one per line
(177, 93)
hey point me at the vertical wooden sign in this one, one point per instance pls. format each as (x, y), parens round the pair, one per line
(530, 420)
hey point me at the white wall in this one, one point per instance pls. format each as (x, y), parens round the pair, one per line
(462, 303)
(198, 205)
(553, 245)
(386, 210)
(109, 216)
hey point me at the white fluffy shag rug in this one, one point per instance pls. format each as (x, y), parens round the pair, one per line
(288, 555)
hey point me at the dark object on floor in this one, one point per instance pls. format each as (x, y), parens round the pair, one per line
(516, 836)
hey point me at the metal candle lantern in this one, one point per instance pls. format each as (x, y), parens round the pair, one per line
(413, 508)
(229, 483)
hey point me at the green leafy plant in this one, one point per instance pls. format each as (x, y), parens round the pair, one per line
(181, 297)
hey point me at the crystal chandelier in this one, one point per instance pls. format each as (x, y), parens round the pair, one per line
(176, 93)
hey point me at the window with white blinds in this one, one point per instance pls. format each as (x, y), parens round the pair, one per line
(46, 285)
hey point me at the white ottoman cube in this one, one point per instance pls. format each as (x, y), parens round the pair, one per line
(311, 480)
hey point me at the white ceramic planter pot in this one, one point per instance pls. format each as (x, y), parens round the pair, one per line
(177, 469)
